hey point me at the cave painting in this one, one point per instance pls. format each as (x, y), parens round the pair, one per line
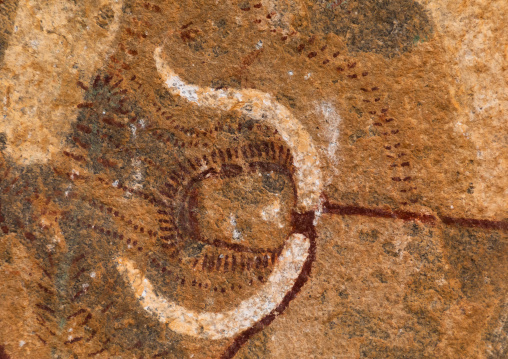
(246, 179)
(293, 253)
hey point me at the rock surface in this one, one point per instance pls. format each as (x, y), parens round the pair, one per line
(292, 179)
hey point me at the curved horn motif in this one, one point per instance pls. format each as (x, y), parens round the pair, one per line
(259, 106)
(208, 325)
(211, 325)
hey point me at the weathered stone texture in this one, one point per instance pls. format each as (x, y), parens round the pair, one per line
(162, 163)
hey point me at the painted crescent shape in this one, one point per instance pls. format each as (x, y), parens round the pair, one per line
(217, 325)
(259, 106)
(210, 325)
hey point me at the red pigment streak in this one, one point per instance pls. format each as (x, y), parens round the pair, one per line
(3, 354)
(302, 223)
(334, 208)
(476, 223)
(347, 210)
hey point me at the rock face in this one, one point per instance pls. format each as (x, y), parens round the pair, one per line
(253, 179)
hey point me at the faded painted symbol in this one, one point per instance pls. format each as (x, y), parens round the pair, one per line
(294, 253)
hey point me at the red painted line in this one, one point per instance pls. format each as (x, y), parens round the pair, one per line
(334, 208)
(347, 210)
(476, 223)
(302, 223)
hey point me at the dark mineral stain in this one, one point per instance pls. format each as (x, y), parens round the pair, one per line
(105, 17)
(389, 248)
(388, 27)
(356, 136)
(496, 335)
(356, 323)
(369, 236)
(194, 249)
(375, 350)
(7, 16)
(2, 141)
(273, 182)
(477, 257)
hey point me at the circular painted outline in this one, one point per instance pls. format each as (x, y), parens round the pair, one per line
(308, 183)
